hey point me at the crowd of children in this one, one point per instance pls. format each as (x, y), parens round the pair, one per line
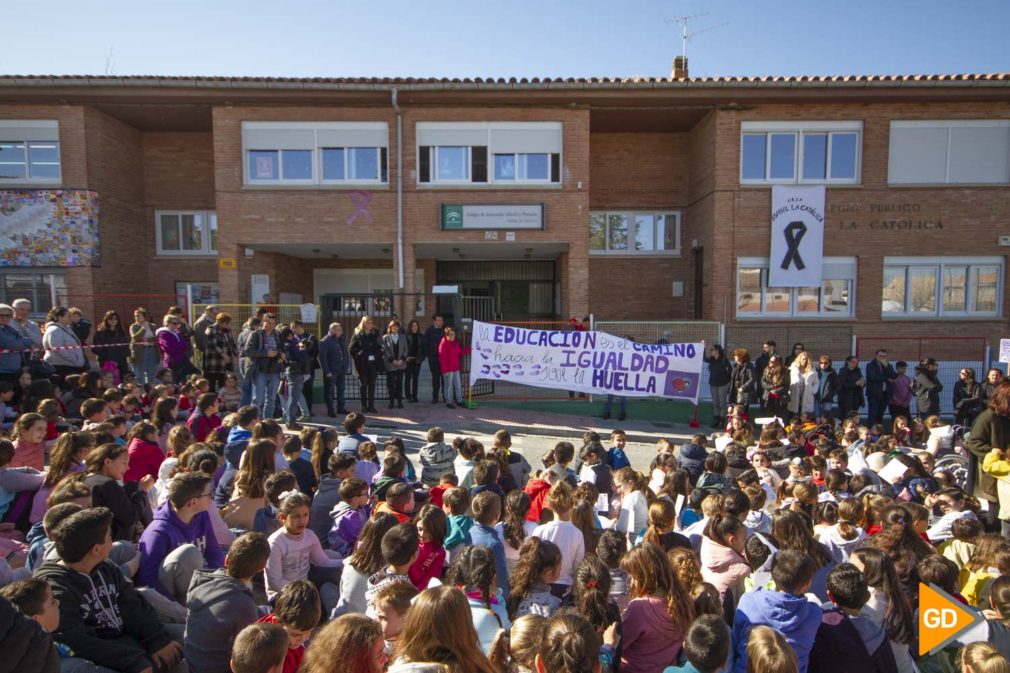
(146, 529)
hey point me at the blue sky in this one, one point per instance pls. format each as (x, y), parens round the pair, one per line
(495, 38)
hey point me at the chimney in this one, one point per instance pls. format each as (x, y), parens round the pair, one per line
(680, 67)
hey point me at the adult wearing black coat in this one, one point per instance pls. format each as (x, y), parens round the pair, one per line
(336, 363)
(927, 387)
(968, 402)
(827, 387)
(850, 388)
(366, 351)
(743, 384)
(26, 647)
(432, 338)
(719, 372)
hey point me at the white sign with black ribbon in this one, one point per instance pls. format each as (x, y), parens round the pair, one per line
(797, 236)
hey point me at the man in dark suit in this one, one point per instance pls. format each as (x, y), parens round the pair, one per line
(880, 377)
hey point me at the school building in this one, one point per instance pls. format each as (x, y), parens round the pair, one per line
(629, 199)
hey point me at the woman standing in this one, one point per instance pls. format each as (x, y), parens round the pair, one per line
(112, 343)
(174, 348)
(719, 372)
(797, 349)
(927, 388)
(991, 430)
(143, 347)
(221, 352)
(967, 398)
(450, 358)
(775, 387)
(743, 384)
(827, 387)
(850, 388)
(415, 356)
(803, 385)
(394, 359)
(70, 358)
(366, 350)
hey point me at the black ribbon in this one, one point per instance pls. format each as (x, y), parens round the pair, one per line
(794, 233)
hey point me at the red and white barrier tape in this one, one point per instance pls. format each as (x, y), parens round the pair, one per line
(4, 351)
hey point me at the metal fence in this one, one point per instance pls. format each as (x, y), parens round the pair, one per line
(951, 353)
(835, 341)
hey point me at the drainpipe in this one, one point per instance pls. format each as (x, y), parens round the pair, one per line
(399, 189)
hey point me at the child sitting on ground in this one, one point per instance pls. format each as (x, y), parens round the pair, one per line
(220, 604)
(455, 504)
(706, 646)
(400, 549)
(399, 502)
(392, 602)
(295, 553)
(107, 636)
(845, 640)
(786, 609)
(431, 530)
(302, 469)
(436, 457)
(486, 512)
(181, 539)
(297, 611)
(445, 482)
(349, 516)
(260, 648)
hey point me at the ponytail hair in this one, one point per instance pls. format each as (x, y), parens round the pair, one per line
(570, 645)
(721, 526)
(517, 505)
(591, 591)
(983, 657)
(850, 514)
(999, 596)
(536, 557)
(637, 481)
(662, 515)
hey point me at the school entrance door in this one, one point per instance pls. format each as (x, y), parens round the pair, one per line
(519, 290)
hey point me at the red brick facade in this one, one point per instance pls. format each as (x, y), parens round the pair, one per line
(690, 165)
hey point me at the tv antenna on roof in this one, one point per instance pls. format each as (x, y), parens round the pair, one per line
(685, 35)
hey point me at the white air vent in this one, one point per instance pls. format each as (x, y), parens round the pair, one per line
(678, 288)
(1004, 241)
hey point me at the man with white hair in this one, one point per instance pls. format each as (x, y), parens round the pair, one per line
(26, 327)
(336, 363)
(11, 340)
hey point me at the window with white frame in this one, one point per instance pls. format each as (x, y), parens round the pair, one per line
(29, 151)
(916, 287)
(949, 152)
(315, 153)
(634, 232)
(184, 232)
(472, 153)
(833, 298)
(800, 152)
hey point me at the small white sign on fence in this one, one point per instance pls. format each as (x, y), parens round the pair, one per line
(1004, 350)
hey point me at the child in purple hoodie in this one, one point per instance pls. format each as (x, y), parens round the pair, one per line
(349, 516)
(181, 539)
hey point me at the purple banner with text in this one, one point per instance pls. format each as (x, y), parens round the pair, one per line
(586, 362)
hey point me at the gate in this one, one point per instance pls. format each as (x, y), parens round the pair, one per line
(382, 307)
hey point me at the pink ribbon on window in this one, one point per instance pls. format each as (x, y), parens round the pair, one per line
(360, 198)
